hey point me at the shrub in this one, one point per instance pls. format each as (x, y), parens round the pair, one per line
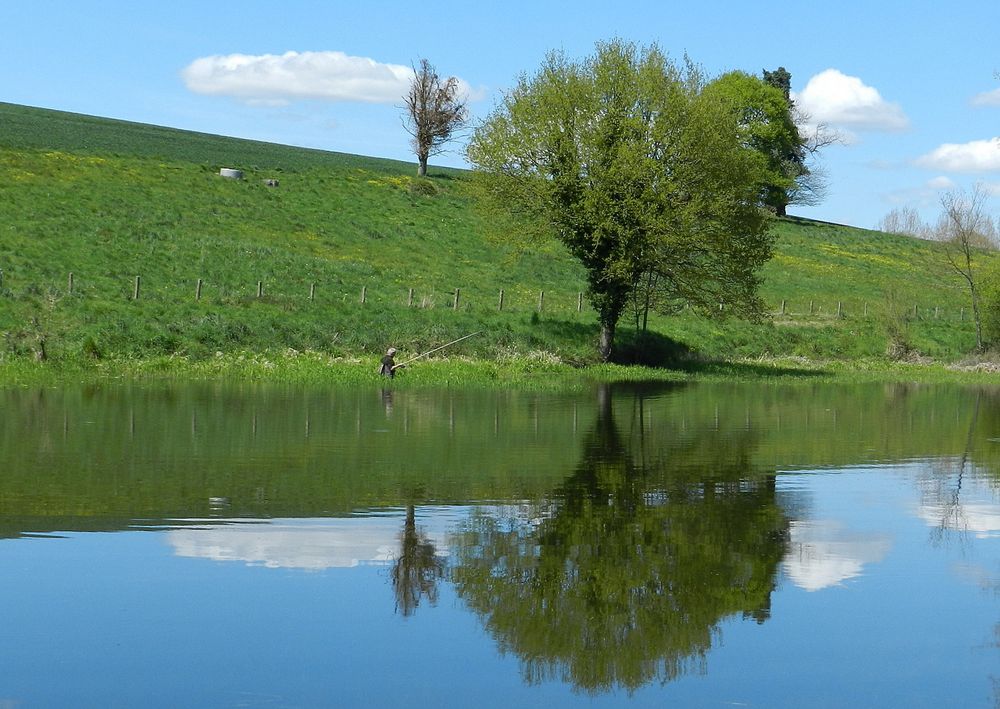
(423, 188)
(90, 349)
(896, 321)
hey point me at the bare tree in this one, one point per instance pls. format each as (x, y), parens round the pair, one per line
(812, 183)
(815, 136)
(905, 221)
(810, 188)
(435, 112)
(965, 228)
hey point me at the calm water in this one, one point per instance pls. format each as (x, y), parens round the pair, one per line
(698, 546)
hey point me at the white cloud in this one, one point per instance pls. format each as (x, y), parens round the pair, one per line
(975, 156)
(846, 102)
(923, 196)
(271, 79)
(941, 182)
(987, 98)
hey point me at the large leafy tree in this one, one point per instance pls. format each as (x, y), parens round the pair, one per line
(796, 159)
(767, 125)
(624, 158)
(716, 243)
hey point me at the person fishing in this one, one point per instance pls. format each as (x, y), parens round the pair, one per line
(388, 366)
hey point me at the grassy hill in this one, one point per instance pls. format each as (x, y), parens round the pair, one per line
(287, 266)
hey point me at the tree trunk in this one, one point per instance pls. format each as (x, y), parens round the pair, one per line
(978, 319)
(422, 166)
(650, 286)
(967, 273)
(781, 209)
(607, 340)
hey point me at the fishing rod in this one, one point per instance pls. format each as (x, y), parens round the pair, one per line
(449, 344)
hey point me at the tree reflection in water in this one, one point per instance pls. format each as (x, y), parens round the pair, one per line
(623, 576)
(418, 568)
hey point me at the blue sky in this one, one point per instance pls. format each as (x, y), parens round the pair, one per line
(912, 86)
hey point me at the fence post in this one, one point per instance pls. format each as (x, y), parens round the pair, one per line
(1, 278)
(69, 283)
(782, 306)
(197, 290)
(915, 313)
(364, 294)
(409, 299)
(866, 308)
(135, 289)
(541, 300)
(810, 307)
(312, 291)
(840, 309)
(500, 303)
(935, 312)
(963, 314)
(260, 289)
(579, 302)
(454, 305)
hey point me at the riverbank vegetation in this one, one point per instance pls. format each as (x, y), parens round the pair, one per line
(534, 372)
(123, 250)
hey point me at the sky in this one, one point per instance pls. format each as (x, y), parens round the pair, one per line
(911, 86)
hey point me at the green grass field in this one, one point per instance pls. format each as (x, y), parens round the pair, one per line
(107, 201)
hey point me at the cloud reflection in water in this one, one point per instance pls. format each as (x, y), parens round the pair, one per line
(311, 544)
(823, 554)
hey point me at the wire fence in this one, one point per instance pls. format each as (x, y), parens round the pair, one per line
(518, 299)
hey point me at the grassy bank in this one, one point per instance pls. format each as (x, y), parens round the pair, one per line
(348, 255)
(534, 373)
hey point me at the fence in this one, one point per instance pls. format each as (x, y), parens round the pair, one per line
(501, 300)
(863, 309)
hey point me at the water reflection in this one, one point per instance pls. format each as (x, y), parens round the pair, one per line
(623, 573)
(290, 544)
(953, 496)
(318, 544)
(417, 568)
(100, 457)
(949, 504)
(822, 553)
(606, 540)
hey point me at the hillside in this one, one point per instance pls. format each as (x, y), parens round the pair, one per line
(89, 204)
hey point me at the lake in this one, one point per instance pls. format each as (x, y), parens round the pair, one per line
(707, 545)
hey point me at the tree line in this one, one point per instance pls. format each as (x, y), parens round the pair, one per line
(660, 180)
(966, 231)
